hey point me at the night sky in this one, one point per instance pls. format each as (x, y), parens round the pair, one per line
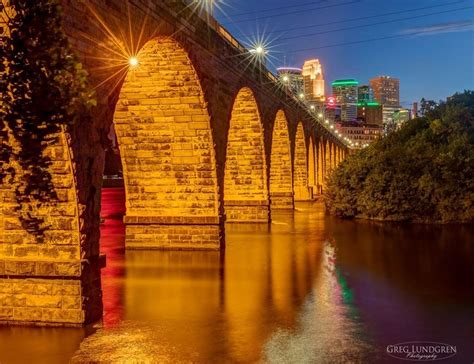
(434, 63)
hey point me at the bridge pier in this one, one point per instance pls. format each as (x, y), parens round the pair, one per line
(282, 201)
(247, 211)
(54, 278)
(174, 233)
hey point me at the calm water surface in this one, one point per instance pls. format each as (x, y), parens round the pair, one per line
(306, 289)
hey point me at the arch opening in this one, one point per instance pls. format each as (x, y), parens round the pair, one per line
(165, 140)
(245, 176)
(281, 174)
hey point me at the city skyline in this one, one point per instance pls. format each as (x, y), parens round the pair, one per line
(428, 35)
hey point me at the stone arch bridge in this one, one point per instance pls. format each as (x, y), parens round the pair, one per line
(204, 137)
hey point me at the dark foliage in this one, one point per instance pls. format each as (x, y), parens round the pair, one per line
(43, 90)
(423, 172)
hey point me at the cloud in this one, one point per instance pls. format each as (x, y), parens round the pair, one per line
(440, 28)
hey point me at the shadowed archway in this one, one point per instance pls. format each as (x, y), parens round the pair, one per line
(281, 174)
(165, 140)
(245, 176)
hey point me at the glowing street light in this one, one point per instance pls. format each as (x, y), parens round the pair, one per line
(312, 107)
(285, 79)
(320, 115)
(301, 96)
(133, 62)
(326, 121)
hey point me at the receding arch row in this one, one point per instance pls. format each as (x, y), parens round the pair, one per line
(173, 196)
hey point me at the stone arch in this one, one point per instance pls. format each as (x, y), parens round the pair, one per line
(334, 156)
(320, 165)
(327, 160)
(312, 167)
(165, 140)
(300, 168)
(245, 175)
(281, 172)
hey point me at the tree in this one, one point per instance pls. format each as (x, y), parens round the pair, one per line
(43, 89)
(423, 172)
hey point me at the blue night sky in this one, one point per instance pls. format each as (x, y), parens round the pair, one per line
(435, 63)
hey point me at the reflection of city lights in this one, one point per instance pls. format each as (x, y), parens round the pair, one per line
(133, 62)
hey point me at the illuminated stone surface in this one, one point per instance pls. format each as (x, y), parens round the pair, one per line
(320, 166)
(245, 181)
(281, 172)
(302, 190)
(195, 129)
(164, 135)
(312, 178)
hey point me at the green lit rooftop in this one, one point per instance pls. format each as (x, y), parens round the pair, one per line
(370, 103)
(349, 82)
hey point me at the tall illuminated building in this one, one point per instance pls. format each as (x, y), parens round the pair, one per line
(386, 90)
(313, 79)
(292, 79)
(346, 93)
(365, 94)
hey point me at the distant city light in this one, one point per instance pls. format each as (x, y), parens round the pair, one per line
(320, 115)
(301, 96)
(326, 121)
(331, 102)
(312, 107)
(285, 78)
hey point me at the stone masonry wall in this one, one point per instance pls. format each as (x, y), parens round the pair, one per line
(302, 192)
(320, 156)
(281, 175)
(58, 281)
(165, 139)
(45, 282)
(245, 184)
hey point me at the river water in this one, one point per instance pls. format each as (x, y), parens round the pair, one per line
(306, 289)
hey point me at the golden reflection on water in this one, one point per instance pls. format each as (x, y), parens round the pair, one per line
(306, 289)
(239, 306)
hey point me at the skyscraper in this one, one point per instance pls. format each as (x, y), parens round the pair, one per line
(313, 81)
(365, 94)
(291, 78)
(346, 93)
(386, 90)
(370, 113)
